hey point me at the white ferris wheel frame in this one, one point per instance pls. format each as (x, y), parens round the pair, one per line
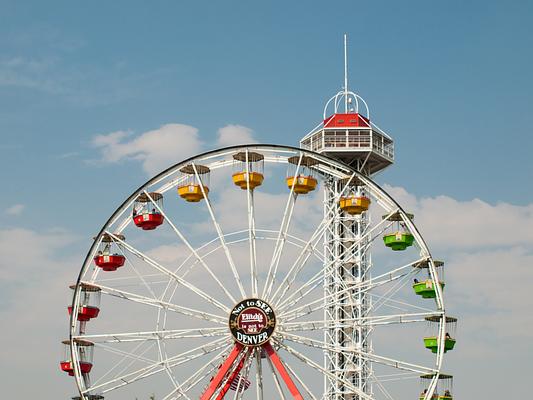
(221, 158)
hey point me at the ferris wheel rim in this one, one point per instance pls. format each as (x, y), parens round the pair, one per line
(368, 181)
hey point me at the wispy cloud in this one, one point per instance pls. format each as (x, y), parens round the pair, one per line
(156, 149)
(488, 250)
(15, 209)
(70, 154)
(160, 148)
(235, 134)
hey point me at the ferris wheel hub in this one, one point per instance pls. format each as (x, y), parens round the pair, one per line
(252, 322)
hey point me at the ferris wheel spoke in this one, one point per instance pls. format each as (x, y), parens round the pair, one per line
(360, 287)
(299, 380)
(381, 387)
(243, 377)
(220, 233)
(155, 335)
(395, 319)
(130, 265)
(190, 312)
(387, 297)
(122, 361)
(159, 366)
(308, 287)
(219, 385)
(316, 281)
(395, 377)
(370, 321)
(313, 365)
(391, 276)
(300, 262)
(251, 227)
(400, 305)
(314, 305)
(363, 286)
(258, 375)
(151, 371)
(201, 374)
(166, 271)
(302, 258)
(276, 379)
(191, 249)
(304, 254)
(282, 235)
(124, 353)
(369, 356)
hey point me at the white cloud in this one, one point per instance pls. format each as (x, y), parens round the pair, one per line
(156, 149)
(15, 209)
(160, 148)
(31, 254)
(454, 224)
(235, 134)
(35, 271)
(488, 250)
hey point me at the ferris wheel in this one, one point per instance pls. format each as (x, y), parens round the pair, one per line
(248, 301)
(264, 272)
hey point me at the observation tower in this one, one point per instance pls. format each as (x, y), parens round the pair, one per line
(348, 135)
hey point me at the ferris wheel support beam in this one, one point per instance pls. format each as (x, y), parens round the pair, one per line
(219, 232)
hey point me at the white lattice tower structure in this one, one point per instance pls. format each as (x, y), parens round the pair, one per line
(347, 134)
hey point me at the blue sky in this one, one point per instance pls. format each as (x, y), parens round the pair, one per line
(450, 81)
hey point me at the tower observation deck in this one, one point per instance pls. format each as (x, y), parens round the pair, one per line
(347, 133)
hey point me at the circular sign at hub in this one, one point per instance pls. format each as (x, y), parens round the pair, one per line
(252, 322)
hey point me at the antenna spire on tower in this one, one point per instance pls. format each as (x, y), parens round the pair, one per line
(345, 73)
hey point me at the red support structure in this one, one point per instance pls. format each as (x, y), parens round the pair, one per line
(225, 368)
(234, 375)
(222, 372)
(282, 371)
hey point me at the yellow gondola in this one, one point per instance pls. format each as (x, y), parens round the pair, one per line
(190, 189)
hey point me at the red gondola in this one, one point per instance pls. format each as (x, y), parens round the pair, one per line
(85, 356)
(105, 258)
(145, 213)
(89, 302)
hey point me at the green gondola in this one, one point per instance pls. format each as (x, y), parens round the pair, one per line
(431, 343)
(426, 289)
(399, 240)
